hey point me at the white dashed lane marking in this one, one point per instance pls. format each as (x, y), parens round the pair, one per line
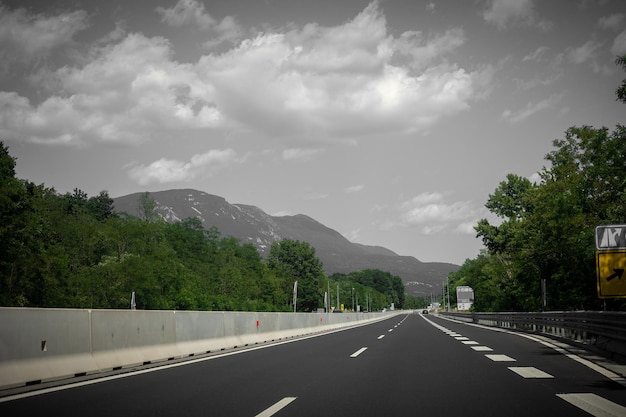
(482, 348)
(594, 404)
(530, 372)
(500, 358)
(276, 407)
(358, 352)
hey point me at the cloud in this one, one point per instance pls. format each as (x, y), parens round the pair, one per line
(129, 93)
(312, 83)
(355, 188)
(192, 12)
(588, 54)
(619, 44)
(537, 54)
(423, 52)
(164, 171)
(530, 109)
(341, 81)
(432, 212)
(611, 22)
(27, 38)
(507, 13)
(352, 235)
(297, 154)
(583, 53)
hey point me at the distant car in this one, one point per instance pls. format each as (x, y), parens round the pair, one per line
(424, 311)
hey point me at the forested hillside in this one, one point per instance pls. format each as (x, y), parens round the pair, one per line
(71, 250)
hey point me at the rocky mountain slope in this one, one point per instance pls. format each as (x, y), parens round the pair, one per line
(252, 225)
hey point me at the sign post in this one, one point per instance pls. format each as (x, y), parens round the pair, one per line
(611, 261)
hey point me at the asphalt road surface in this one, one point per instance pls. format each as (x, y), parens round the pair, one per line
(409, 365)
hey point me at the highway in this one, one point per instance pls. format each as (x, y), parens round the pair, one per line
(409, 364)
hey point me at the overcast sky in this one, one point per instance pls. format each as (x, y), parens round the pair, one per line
(389, 121)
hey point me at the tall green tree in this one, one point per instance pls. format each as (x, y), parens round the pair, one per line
(296, 260)
(14, 239)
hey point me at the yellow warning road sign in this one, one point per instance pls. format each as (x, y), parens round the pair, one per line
(610, 272)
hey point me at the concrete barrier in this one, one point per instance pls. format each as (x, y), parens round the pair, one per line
(38, 345)
(43, 344)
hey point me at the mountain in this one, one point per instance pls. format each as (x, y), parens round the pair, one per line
(252, 225)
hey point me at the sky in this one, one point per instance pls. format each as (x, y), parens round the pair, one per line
(389, 121)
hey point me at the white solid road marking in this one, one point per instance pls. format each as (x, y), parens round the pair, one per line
(594, 404)
(276, 407)
(529, 372)
(482, 348)
(358, 352)
(500, 358)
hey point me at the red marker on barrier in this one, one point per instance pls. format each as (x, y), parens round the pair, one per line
(257, 323)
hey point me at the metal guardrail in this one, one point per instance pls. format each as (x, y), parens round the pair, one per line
(605, 330)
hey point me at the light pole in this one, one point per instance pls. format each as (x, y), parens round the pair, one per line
(295, 295)
(448, 292)
(328, 296)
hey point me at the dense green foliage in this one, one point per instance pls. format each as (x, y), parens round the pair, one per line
(356, 289)
(291, 258)
(621, 90)
(546, 229)
(73, 251)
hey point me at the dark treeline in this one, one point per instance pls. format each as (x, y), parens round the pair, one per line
(72, 251)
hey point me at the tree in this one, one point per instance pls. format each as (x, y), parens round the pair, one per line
(381, 287)
(547, 230)
(297, 261)
(101, 206)
(621, 90)
(13, 239)
(147, 207)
